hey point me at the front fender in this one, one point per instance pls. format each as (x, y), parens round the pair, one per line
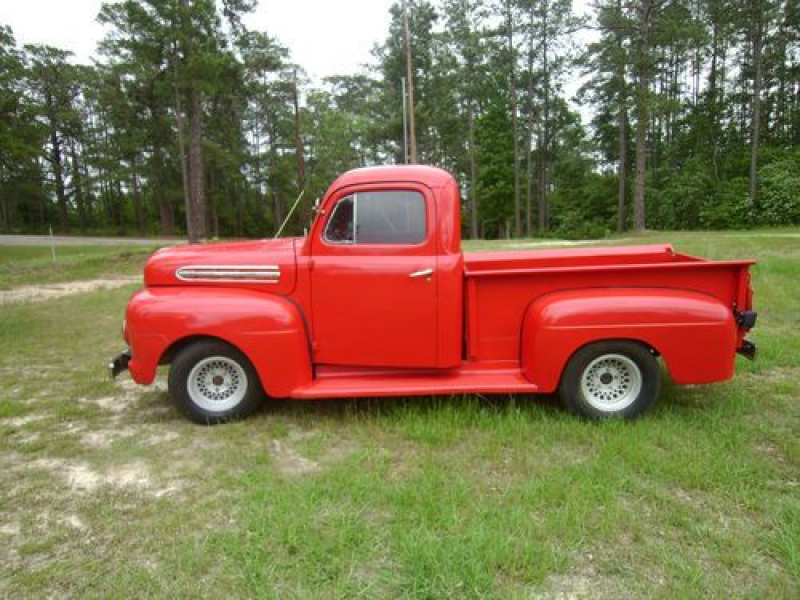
(267, 328)
(694, 333)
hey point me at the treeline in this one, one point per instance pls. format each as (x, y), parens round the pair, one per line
(189, 122)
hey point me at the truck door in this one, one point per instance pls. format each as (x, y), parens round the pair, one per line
(373, 279)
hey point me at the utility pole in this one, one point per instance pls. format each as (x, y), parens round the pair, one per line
(405, 122)
(298, 144)
(412, 132)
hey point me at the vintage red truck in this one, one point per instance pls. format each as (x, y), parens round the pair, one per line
(379, 300)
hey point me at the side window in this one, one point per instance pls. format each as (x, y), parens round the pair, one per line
(340, 228)
(390, 217)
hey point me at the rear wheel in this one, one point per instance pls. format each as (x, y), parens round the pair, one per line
(611, 380)
(212, 382)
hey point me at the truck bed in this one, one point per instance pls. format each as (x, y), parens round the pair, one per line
(499, 286)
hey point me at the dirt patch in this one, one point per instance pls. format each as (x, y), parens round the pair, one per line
(583, 583)
(10, 529)
(163, 438)
(21, 421)
(289, 462)
(82, 478)
(104, 438)
(52, 291)
(113, 404)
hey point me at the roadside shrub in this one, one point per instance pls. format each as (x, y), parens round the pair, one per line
(727, 206)
(678, 204)
(779, 200)
(573, 225)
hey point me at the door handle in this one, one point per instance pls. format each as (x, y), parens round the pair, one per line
(422, 273)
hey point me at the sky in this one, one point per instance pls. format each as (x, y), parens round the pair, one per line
(325, 37)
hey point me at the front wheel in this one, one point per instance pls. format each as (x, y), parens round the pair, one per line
(212, 382)
(611, 380)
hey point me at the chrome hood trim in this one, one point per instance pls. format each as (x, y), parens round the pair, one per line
(230, 273)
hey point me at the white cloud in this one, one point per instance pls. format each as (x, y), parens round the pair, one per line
(325, 37)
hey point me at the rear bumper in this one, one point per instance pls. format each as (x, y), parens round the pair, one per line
(119, 363)
(746, 319)
(748, 350)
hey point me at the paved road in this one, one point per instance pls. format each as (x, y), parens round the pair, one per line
(65, 240)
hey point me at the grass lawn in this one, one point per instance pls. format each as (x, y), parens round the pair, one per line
(106, 491)
(20, 265)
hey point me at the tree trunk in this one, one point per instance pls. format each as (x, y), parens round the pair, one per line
(622, 169)
(5, 220)
(120, 206)
(713, 121)
(277, 208)
(512, 92)
(165, 215)
(644, 16)
(138, 209)
(238, 216)
(529, 145)
(77, 180)
(544, 144)
(304, 212)
(57, 163)
(473, 173)
(162, 203)
(197, 172)
(179, 122)
(757, 44)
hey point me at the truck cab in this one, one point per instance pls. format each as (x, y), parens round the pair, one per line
(379, 300)
(386, 268)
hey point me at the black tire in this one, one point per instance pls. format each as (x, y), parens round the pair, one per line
(211, 382)
(611, 380)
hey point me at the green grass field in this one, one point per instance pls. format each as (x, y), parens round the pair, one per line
(105, 491)
(25, 265)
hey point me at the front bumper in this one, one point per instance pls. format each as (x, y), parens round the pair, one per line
(119, 363)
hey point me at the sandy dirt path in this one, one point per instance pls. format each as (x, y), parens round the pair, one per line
(68, 240)
(51, 291)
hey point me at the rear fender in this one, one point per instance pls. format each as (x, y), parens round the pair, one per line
(268, 329)
(694, 333)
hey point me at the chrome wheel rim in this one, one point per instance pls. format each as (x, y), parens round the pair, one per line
(611, 382)
(217, 383)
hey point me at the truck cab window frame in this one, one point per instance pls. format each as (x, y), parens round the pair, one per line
(381, 217)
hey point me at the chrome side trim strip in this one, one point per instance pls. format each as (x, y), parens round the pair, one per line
(237, 273)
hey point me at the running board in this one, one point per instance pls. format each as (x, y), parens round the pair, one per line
(389, 383)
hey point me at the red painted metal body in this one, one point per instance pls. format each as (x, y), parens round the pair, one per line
(320, 319)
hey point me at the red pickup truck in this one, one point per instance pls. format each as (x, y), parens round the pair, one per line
(379, 300)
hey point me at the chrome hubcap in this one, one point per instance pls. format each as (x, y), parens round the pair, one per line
(217, 383)
(611, 382)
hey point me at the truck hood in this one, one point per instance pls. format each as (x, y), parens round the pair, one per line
(265, 265)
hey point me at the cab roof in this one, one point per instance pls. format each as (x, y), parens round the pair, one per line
(433, 177)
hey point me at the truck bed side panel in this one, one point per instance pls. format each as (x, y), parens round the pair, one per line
(498, 300)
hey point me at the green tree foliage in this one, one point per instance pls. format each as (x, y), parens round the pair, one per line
(23, 198)
(687, 115)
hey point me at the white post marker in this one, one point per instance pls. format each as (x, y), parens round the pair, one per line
(52, 244)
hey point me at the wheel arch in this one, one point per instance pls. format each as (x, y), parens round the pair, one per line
(651, 349)
(680, 326)
(269, 330)
(179, 344)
